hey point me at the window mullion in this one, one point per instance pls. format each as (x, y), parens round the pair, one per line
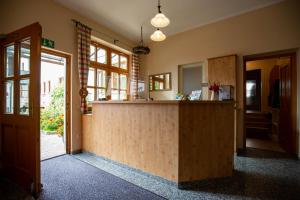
(95, 83)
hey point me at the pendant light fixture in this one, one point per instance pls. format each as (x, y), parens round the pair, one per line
(141, 49)
(158, 36)
(160, 20)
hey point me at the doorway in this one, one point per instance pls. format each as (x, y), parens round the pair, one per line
(192, 78)
(54, 95)
(270, 101)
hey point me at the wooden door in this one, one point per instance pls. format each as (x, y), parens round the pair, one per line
(286, 138)
(253, 90)
(20, 102)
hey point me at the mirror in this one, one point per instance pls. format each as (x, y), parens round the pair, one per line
(160, 82)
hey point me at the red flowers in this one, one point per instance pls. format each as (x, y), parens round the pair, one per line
(215, 87)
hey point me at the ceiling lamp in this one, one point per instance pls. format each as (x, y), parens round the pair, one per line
(160, 20)
(158, 36)
(141, 49)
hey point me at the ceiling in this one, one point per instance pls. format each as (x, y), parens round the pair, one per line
(126, 16)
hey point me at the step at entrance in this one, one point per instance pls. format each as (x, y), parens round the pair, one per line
(258, 125)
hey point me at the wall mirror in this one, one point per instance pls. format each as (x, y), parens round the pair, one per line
(160, 82)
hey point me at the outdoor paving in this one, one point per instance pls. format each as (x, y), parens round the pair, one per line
(51, 145)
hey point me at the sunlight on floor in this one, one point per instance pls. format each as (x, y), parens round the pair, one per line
(51, 146)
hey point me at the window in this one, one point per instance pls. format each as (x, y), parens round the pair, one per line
(108, 67)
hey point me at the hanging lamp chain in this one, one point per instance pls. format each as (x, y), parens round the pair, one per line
(159, 6)
(142, 41)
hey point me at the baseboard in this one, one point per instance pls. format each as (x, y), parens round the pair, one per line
(76, 151)
(240, 151)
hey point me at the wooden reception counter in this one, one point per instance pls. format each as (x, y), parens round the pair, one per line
(181, 141)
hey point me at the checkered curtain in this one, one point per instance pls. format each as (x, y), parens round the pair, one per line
(83, 47)
(134, 75)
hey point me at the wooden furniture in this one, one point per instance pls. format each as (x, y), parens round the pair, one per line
(179, 141)
(223, 70)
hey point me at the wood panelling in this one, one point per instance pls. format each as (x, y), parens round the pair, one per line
(179, 141)
(143, 136)
(206, 139)
(222, 70)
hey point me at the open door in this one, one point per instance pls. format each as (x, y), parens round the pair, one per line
(20, 53)
(286, 137)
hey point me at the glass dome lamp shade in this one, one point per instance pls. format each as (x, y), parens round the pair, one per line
(160, 21)
(158, 36)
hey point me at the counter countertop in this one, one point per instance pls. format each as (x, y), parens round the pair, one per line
(163, 102)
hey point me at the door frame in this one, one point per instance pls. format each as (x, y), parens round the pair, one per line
(67, 93)
(283, 53)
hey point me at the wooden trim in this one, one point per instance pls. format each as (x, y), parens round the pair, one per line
(276, 54)
(67, 93)
(222, 56)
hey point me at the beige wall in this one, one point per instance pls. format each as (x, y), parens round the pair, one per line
(269, 29)
(265, 66)
(57, 26)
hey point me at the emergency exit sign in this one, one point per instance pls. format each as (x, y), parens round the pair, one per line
(47, 43)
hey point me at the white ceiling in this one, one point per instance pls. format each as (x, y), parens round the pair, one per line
(126, 16)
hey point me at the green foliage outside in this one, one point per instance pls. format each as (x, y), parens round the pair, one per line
(52, 117)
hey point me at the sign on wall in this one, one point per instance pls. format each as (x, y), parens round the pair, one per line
(47, 43)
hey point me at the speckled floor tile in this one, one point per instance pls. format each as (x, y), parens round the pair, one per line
(257, 175)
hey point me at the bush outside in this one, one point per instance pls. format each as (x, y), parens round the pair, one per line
(52, 117)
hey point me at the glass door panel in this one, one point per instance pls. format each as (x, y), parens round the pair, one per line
(9, 61)
(9, 97)
(24, 57)
(24, 96)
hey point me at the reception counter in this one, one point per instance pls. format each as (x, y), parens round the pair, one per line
(181, 141)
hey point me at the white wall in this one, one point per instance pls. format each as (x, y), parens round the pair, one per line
(57, 25)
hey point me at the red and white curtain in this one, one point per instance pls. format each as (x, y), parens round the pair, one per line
(83, 47)
(135, 75)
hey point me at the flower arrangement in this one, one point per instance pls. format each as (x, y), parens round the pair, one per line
(214, 88)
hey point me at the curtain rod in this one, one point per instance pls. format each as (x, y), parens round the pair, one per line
(115, 41)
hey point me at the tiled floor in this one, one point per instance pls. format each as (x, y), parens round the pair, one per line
(270, 145)
(51, 145)
(257, 175)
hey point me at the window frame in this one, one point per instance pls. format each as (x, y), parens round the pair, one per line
(108, 68)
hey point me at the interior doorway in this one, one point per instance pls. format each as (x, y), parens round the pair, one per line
(270, 101)
(54, 95)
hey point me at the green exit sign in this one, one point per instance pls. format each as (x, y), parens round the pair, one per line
(47, 43)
